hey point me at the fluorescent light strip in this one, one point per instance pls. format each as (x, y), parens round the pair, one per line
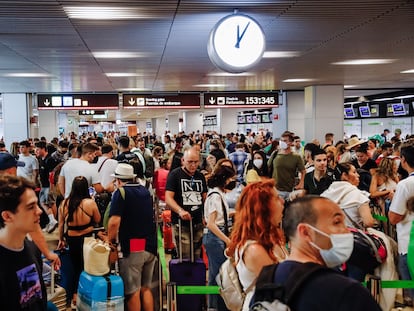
(365, 62)
(210, 85)
(133, 89)
(228, 74)
(28, 75)
(102, 13)
(118, 54)
(297, 80)
(123, 74)
(280, 54)
(382, 99)
(408, 71)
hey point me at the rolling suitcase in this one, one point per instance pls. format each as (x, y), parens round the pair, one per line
(96, 293)
(55, 293)
(188, 272)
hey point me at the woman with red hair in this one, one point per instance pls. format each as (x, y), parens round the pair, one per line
(257, 239)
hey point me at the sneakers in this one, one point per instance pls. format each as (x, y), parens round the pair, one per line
(51, 226)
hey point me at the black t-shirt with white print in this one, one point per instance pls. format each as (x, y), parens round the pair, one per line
(188, 192)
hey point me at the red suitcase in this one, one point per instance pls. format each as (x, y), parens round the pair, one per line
(167, 231)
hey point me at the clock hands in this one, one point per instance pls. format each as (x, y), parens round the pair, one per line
(239, 37)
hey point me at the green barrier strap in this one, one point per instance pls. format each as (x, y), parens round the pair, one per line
(380, 217)
(193, 290)
(397, 284)
(161, 253)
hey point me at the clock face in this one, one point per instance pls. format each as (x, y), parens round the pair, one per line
(236, 43)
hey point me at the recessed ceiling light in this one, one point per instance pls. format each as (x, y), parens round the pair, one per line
(103, 13)
(349, 86)
(133, 89)
(408, 71)
(228, 74)
(210, 85)
(297, 80)
(365, 62)
(28, 75)
(280, 54)
(118, 54)
(123, 74)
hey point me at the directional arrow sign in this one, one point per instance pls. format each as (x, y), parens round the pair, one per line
(46, 102)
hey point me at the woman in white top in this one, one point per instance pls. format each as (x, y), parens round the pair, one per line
(354, 202)
(216, 213)
(257, 239)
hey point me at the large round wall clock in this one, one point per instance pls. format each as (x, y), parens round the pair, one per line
(236, 43)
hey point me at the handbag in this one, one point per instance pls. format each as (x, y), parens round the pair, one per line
(96, 256)
(231, 289)
(369, 249)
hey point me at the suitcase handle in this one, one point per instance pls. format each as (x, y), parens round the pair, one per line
(191, 240)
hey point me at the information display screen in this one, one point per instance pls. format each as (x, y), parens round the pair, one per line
(398, 109)
(364, 111)
(349, 112)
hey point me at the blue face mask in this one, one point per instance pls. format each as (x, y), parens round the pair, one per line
(341, 250)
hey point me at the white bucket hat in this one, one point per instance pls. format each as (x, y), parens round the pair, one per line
(124, 171)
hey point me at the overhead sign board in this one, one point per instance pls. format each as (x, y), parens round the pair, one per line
(179, 101)
(241, 100)
(77, 101)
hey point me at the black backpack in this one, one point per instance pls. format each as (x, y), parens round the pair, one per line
(271, 296)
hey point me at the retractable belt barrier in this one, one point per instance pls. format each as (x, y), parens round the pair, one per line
(173, 290)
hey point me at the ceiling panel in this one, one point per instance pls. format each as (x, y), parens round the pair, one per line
(40, 37)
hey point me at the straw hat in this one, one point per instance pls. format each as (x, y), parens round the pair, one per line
(353, 142)
(124, 171)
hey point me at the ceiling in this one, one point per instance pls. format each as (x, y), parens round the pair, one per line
(168, 39)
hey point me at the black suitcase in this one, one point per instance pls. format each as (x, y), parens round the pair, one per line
(188, 272)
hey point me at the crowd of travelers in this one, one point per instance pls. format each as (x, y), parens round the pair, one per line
(252, 197)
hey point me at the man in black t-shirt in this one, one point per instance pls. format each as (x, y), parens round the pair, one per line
(185, 194)
(321, 177)
(21, 283)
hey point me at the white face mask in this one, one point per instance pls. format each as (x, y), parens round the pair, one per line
(283, 145)
(341, 250)
(258, 163)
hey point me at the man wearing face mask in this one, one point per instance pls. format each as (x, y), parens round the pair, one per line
(317, 233)
(285, 165)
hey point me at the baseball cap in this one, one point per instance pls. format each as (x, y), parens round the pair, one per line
(8, 161)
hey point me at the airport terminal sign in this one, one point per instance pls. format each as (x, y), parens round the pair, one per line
(241, 100)
(179, 101)
(77, 101)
